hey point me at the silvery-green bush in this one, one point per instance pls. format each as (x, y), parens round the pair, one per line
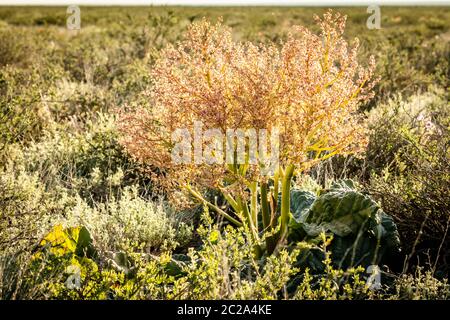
(132, 223)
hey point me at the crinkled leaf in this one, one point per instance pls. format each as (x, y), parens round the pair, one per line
(73, 240)
(362, 232)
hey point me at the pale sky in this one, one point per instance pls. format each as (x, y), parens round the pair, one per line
(227, 2)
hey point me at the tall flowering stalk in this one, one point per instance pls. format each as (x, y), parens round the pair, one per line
(308, 88)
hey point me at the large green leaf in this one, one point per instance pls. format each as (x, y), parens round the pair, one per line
(84, 244)
(301, 202)
(69, 241)
(362, 232)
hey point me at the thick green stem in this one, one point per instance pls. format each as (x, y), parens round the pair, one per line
(214, 207)
(266, 218)
(265, 206)
(253, 231)
(276, 182)
(254, 203)
(274, 199)
(286, 200)
(245, 211)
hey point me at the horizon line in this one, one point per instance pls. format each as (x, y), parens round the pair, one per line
(222, 3)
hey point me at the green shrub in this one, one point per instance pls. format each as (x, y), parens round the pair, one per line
(22, 117)
(23, 278)
(227, 260)
(149, 282)
(408, 157)
(332, 283)
(132, 223)
(15, 48)
(86, 161)
(408, 61)
(24, 206)
(421, 285)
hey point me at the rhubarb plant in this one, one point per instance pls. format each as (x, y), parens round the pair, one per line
(304, 93)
